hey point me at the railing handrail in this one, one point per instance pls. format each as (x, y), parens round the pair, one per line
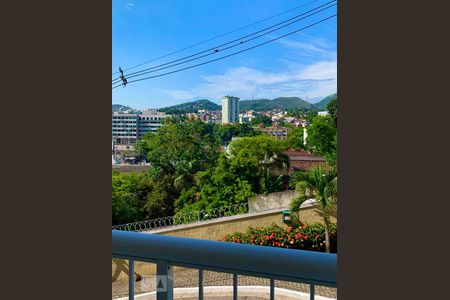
(262, 261)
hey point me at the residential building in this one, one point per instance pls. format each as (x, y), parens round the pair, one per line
(323, 113)
(230, 110)
(128, 128)
(303, 160)
(246, 117)
(279, 132)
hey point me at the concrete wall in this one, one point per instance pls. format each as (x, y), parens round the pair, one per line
(271, 201)
(216, 229)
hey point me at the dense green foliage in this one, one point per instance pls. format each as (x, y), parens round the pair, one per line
(295, 138)
(332, 109)
(223, 186)
(322, 138)
(311, 237)
(262, 119)
(129, 191)
(226, 132)
(249, 170)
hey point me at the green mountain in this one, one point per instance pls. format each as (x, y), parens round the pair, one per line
(285, 103)
(190, 107)
(277, 103)
(322, 104)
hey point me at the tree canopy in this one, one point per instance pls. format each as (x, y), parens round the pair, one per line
(262, 119)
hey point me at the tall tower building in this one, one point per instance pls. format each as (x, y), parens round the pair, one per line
(230, 109)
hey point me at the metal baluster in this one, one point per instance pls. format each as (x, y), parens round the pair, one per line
(272, 289)
(200, 284)
(164, 281)
(131, 279)
(235, 286)
(311, 291)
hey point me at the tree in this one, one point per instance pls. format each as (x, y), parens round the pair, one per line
(322, 138)
(226, 132)
(332, 110)
(177, 152)
(310, 115)
(224, 186)
(160, 199)
(270, 183)
(129, 192)
(266, 150)
(321, 185)
(143, 146)
(182, 149)
(262, 119)
(295, 138)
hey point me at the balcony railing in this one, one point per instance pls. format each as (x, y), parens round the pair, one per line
(313, 268)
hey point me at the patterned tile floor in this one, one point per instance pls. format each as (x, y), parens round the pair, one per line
(189, 278)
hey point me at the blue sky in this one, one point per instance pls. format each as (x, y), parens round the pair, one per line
(301, 65)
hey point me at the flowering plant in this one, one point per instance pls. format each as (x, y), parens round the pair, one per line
(310, 237)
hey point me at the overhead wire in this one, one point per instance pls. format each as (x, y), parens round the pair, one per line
(232, 54)
(240, 39)
(165, 66)
(218, 36)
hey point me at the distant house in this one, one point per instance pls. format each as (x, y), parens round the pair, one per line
(303, 160)
(323, 113)
(279, 132)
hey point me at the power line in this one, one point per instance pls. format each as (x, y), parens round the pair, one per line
(216, 48)
(166, 66)
(235, 53)
(117, 86)
(218, 36)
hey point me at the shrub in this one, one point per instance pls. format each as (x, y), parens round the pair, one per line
(311, 237)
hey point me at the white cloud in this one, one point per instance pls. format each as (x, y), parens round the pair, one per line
(177, 94)
(319, 71)
(311, 46)
(315, 80)
(302, 46)
(130, 5)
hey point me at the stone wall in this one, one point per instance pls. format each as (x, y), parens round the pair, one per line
(271, 201)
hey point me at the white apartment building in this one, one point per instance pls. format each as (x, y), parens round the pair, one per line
(128, 128)
(230, 109)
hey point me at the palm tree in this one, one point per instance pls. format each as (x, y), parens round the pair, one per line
(320, 184)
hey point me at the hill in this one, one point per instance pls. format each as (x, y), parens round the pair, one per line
(123, 109)
(277, 103)
(322, 104)
(285, 103)
(190, 107)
